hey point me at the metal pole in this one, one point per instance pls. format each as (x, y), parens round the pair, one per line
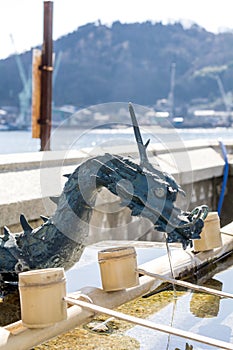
(46, 78)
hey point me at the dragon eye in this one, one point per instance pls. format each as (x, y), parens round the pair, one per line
(160, 192)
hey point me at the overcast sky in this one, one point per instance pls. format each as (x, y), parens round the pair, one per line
(23, 19)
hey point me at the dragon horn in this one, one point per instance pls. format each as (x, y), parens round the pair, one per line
(141, 147)
(44, 218)
(6, 231)
(67, 175)
(54, 199)
(25, 224)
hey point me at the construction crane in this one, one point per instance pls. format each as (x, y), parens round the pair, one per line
(223, 94)
(226, 102)
(57, 62)
(25, 95)
(213, 73)
(171, 92)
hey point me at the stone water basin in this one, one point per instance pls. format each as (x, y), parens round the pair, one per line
(192, 311)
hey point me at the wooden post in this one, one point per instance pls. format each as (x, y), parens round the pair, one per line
(36, 93)
(46, 78)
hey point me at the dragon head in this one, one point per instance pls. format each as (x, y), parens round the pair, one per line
(150, 192)
(162, 190)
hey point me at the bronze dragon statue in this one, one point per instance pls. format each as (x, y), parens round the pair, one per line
(143, 188)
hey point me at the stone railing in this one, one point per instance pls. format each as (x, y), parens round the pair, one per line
(28, 180)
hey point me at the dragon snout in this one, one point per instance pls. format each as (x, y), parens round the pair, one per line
(189, 227)
(200, 212)
(197, 217)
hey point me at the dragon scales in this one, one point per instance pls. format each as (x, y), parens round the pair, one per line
(143, 188)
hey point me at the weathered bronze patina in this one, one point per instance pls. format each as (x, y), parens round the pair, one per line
(143, 188)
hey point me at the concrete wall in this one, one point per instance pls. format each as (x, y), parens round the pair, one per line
(27, 180)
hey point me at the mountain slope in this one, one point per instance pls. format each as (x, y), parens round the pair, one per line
(130, 62)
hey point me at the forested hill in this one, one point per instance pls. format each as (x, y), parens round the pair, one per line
(131, 62)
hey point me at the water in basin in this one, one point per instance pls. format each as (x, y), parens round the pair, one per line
(196, 312)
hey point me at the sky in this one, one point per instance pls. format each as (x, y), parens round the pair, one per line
(23, 19)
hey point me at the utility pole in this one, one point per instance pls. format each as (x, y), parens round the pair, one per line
(45, 120)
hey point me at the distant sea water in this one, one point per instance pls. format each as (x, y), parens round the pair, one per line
(73, 138)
